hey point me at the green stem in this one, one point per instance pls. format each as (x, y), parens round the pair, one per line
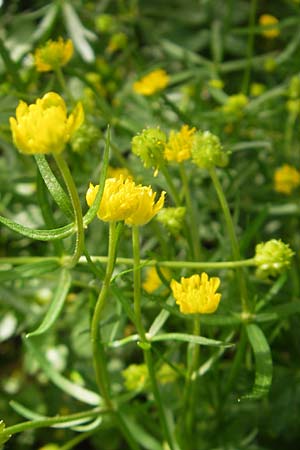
(14, 260)
(144, 344)
(97, 346)
(68, 179)
(288, 136)
(180, 114)
(232, 236)
(188, 394)
(250, 47)
(190, 213)
(173, 190)
(61, 79)
(236, 364)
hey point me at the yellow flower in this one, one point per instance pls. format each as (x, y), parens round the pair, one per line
(153, 281)
(197, 294)
(178, 148)
(124, 200)
(154, 82)
(53, 54)
(116, 172)
(286, 179)
(44, 127)
(271, 26)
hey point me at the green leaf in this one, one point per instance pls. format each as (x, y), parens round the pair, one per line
(32, 415)
(62, 289)
(78, 32)
(279, 312)
(39, 235)
(54, 187)
(92, 212)
(263, 362)
(28, 270)
(189, 338)
(74, 390)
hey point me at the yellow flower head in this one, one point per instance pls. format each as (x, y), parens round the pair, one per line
(116, 172)
(124, 200)
(153, 281)
(286, 179)
(44, 127)
(271, 26)
(153, 82)
(53, 54)
(197, 294)
(178, 148)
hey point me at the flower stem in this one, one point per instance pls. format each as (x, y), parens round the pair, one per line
(170, 184)
(190, 213)
(232, 236)
(250, 46)
(99, 356)
(61, 79)
(144, 344)
(68, 179)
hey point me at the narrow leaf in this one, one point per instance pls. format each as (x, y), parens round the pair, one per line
(189, 338)
(54, 187)
(62, 289)
(74, 390)
(28, 270)
(39, 235)
(263, 362)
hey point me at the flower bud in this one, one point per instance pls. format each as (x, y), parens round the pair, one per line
(272, 258)
(172, 218)
(207, 150)
(85, 138)
(149, 145)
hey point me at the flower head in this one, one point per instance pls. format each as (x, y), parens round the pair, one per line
(153, 281)
(272, 258)
(155, 81)
(197, 294)
(256, 89)
(235, 104)
(124, 200)
(216, 83)
(172, 218)
(53, 54)
(286, 179)
(44, 127)
(270, 24)
(207, 150)
(116, 172)
(178, 148)
(149, 146)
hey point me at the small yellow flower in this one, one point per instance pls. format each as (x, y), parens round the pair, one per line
(44, 127)
(178, 148)
(270, 24)
(152, 281)
(124, 200)
(197, 294)
(286, 179)
(155, 81)
(53, 54)
(117, 172)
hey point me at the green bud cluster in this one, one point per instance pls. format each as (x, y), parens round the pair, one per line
(272, 258)
(149, 145)
(85, 137)
(207, 151)
(172, 218)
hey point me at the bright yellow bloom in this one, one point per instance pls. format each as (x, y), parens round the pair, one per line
(152, 281)
(44, 127)
(178, 148)
(286, 179)
(153, 82)
(116, 172)
(124, 200)
(197, 294)
(53, 54)
(271, 24)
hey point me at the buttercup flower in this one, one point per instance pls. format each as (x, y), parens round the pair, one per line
(124, 200)
(178, 148)
(197, 294)
(153, 82)
(53, 54)
(207, 150)
(272, 258)
(44, 127)
(153, 281)
(286, 179)
(271, 23)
